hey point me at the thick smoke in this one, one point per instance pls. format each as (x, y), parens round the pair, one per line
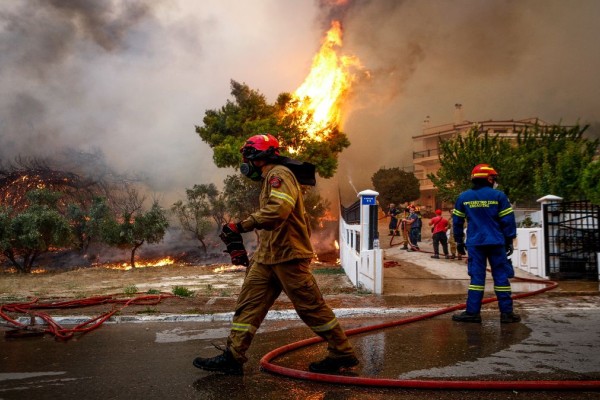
(501, 60)
(127, 81)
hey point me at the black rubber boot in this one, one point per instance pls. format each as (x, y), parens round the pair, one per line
(224, 363)
(509, 318)
(466, 317)
(330, 365)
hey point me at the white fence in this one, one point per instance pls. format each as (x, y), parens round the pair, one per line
(362, 263)
(529, 251)
(364, 268)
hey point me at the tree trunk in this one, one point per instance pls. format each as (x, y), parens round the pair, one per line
(135, 247)
(11, 256)
(203, 245)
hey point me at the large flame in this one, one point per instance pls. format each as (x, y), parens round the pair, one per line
(320, 97)
(125, 266)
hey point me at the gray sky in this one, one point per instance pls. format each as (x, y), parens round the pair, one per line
(131, 79)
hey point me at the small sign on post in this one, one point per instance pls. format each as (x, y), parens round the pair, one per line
(368, 200)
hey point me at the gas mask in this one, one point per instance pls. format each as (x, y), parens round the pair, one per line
(249, 170)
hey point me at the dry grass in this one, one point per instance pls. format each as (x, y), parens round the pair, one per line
(203, 280)
(101, 281)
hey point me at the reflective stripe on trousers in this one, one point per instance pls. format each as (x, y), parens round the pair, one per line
(501, 272)
(262, 285)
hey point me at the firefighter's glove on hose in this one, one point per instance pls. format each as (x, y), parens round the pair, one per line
(460, 248)
(508, 246)
(231, 235)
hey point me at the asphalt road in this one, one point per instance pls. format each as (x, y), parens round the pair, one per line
(559, 339)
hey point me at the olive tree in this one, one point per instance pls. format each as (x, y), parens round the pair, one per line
(27, 234)
(203, 203)
(226, 129)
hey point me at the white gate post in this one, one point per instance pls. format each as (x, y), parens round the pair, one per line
(371, 266)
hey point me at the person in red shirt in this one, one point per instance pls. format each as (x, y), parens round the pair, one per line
(439, 226)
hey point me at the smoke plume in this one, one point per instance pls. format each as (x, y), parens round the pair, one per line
(127, 81)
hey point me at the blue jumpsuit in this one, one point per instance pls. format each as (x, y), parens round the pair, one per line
(490, 224)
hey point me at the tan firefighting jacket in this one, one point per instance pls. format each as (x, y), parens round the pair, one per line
(282, 221)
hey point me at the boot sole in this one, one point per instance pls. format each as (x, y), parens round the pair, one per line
(226, 372)
(346, 365)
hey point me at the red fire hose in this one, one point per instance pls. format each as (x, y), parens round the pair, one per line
(267, 365)
(60, 332)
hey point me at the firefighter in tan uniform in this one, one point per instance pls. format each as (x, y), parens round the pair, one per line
(281, 263)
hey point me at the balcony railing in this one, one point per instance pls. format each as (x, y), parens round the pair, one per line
(426, 153)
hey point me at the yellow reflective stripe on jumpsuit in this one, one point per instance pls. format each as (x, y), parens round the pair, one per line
(243, 327)
(283, 196)
(325, 327)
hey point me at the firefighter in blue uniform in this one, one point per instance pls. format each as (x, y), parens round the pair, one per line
(491, 229)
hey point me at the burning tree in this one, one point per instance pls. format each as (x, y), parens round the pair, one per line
(135, 226)
(24, 175)
(44, 208)
(307, 122)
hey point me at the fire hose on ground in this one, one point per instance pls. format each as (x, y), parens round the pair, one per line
(59, 332)
(62, 333)
(267, 364)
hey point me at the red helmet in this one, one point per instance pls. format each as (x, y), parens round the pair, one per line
(260, 146)
(483, 171)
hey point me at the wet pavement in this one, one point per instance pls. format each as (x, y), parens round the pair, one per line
(558, 339)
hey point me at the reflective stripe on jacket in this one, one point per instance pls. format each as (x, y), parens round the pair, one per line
(283, 225)
(490, 217)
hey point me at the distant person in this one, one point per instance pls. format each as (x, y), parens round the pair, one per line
(413, 223)
(403, 227)
(439, 225)
(420, 223)
(491, 229)
(281, 263)
(451, 241)
(393, 212)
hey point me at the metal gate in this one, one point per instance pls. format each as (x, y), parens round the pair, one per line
(572, 240)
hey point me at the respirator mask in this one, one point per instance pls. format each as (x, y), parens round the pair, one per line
(248, 169)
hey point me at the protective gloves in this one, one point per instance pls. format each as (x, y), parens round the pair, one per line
(232, 237)
(508, 246)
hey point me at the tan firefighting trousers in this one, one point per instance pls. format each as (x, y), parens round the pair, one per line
(404, 234)
(262, 285)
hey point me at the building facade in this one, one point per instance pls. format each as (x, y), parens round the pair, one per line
(426, 149)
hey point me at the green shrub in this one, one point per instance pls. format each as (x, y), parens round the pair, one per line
(182, 291)
(130, 290)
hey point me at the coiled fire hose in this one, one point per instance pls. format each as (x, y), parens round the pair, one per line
(266, 361)
(60, 332)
